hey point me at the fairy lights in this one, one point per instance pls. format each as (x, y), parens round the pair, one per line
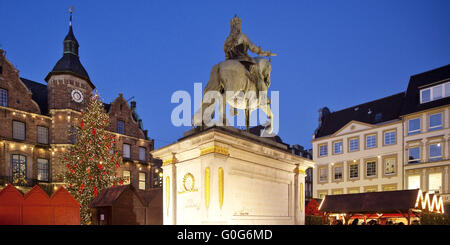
(93, 160)
(433, 205)
(321, 203)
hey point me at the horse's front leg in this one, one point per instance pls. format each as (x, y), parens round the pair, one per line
(247, 119)
(233, 111)
(222, 111)
(265, 107)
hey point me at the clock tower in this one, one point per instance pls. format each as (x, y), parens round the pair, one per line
(69, 88)
(68, 83)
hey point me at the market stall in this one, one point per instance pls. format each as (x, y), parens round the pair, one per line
(387, 207)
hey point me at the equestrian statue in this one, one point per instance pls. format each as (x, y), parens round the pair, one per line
(241, 80)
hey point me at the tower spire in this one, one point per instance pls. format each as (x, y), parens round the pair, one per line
(70, 42)
(70, 61)
(70, 11)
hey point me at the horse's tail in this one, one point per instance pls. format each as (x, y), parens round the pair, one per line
(214, 83)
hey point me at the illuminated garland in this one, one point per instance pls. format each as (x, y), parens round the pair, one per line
(432, 205)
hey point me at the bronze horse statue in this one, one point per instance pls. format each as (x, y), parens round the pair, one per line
(231, 81)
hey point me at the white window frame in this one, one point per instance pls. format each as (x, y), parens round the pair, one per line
(367, 142)
(341, 148)
(325, 152)
(350, 144)
(446, 90)
(414, 160)
(436, 127)
(432, 92)
(393, 132)
(421, 95)
(416, 131)
(434, 158)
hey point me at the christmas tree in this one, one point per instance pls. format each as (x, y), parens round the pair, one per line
(92, 161)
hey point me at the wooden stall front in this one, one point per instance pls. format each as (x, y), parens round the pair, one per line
(124, 205)
(37, 208)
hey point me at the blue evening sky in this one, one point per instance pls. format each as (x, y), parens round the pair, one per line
(330, 53)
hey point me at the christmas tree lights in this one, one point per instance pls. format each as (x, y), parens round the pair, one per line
(93, 160)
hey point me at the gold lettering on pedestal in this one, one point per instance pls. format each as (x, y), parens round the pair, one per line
(207, 186)
(221, 187)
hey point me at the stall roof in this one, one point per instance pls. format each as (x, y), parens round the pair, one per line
(109, 196)
(380, 202)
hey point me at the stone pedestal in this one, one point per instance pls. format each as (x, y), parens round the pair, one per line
(227, 176)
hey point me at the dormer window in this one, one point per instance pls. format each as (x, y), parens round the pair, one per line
(434, 93)
(378, 117)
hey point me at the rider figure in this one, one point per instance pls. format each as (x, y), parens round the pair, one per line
(236, 47)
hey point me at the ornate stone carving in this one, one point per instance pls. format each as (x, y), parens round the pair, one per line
(214, 149)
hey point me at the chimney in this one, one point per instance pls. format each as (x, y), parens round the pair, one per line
(133, 105)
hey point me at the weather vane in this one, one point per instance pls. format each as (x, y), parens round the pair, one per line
(70, 11)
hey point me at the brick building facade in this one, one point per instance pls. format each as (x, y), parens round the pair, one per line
(37, 121)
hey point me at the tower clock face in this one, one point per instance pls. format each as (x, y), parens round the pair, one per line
(77, 96)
